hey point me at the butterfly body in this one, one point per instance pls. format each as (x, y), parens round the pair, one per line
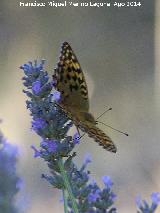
(70, 82)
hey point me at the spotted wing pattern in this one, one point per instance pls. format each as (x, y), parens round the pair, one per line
(70, 82)
(99, 136)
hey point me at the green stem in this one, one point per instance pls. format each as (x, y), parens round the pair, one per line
(65, 195)
(67, 185)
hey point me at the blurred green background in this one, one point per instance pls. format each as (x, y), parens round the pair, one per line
(118, 49)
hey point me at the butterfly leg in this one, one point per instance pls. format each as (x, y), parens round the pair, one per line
(80, 136)
(78, 131)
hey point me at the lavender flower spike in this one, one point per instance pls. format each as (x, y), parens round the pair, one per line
(50, 122)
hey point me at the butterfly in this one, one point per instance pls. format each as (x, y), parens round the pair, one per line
(71, 84)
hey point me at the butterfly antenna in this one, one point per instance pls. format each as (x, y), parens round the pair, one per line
(96, 120)
(124, 133)
(80, 136)
(103, 113)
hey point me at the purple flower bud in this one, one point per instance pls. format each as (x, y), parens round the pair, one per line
(36, 87)
(76, 138)
(38, 123)
(51, 145)
(93, 196)
(27, 68)
(56, 95)
(107, 181)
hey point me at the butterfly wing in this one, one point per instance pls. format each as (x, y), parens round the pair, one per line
(97, 134)
(70, 80)
(100, 137)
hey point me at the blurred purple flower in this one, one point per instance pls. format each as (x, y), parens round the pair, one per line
(113, 196)
(61, 199)
(107, 181)
(145, 207)
(19, 184)
(36, 87)
(138, 201)
(9, 181)
(155, 196)
(10, 150)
